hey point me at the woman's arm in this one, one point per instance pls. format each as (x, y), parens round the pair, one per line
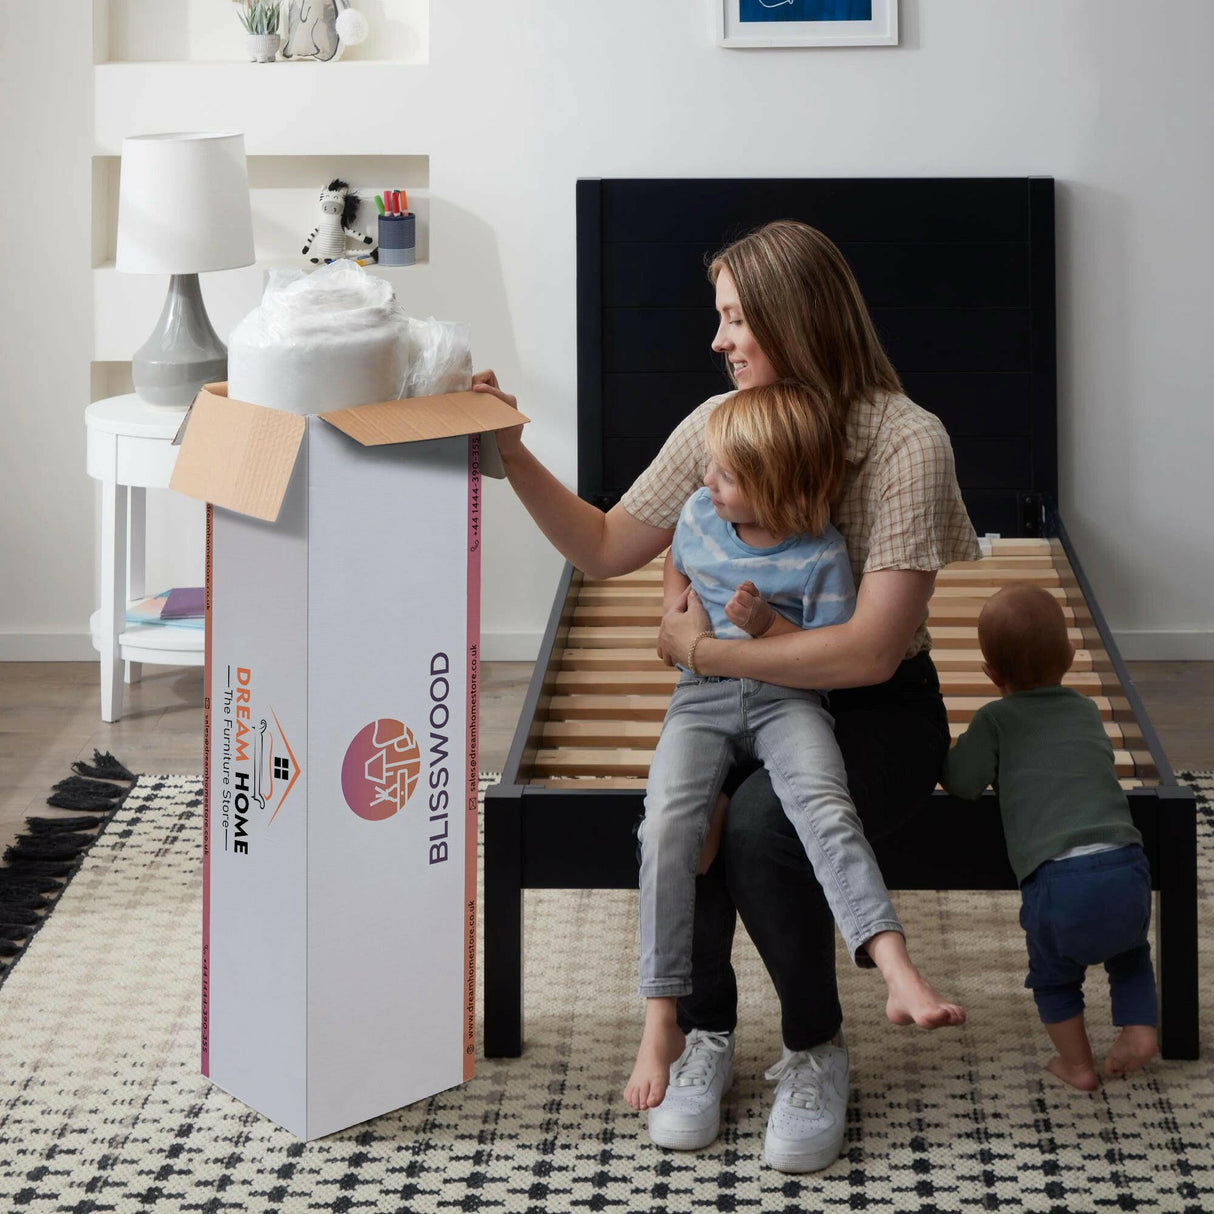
(600, 544)
(864, 651)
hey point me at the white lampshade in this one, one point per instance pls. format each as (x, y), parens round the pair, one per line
(183, 204)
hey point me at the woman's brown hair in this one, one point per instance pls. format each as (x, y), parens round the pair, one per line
(804, 307)
(787, 455)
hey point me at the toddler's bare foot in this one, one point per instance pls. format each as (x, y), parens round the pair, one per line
(1135, 1046)
(1081, 1075)
(661, 1044)
(913, 1000)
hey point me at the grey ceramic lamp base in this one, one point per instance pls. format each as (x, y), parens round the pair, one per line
(183, 353)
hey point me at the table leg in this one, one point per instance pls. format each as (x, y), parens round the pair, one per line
(136, 562)
(113, 591)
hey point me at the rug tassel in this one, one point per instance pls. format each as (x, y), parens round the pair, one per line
(51, 847)
(44, 868)
(82, 801)
(49, 851)
(104, 767)
(17, 884)
(60, 826)
(25, 895)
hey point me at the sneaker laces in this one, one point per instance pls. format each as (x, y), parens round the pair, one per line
(800, 1077)
(699, 1059)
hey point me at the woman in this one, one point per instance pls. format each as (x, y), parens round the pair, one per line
(790, 308)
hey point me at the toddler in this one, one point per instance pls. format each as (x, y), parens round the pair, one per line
(757, 547)
(1084, 880)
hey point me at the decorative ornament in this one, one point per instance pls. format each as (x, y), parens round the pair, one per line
(338, 208)
(322, 29)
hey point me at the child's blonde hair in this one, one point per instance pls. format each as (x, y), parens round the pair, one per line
(787, 455)
(1022, 633)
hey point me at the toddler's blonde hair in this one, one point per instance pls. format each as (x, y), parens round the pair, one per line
(787, 454)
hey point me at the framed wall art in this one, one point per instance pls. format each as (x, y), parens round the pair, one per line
(768, 23)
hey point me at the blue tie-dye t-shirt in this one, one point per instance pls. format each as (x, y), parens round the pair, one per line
(806, 578)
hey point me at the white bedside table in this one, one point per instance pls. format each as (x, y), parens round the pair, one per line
(130, 450)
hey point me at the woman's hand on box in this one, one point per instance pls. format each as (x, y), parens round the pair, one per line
(510, 440)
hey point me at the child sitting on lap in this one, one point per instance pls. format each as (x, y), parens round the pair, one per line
(1084, 879)
(757, 547)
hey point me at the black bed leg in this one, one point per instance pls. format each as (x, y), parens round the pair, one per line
(503, 963)
(1176, 927)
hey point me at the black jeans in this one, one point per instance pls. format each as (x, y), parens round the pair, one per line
(894, 738)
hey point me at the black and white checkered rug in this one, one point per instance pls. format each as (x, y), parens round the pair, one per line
(102, 1109)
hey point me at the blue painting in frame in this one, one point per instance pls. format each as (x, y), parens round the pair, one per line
(777, 23)
(805, 10)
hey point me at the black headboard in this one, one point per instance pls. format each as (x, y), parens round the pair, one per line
(957, 272)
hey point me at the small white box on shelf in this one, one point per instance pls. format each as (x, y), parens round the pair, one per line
(343, 587)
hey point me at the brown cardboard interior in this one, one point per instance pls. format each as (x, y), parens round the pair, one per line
(424, 417)
(240, 456)
(237, 455)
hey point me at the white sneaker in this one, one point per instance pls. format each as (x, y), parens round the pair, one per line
(689, 1116)
(807, 1122)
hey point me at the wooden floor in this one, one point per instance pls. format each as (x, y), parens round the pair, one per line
(50, 716)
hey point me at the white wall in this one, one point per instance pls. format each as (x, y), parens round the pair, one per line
(1111, 97)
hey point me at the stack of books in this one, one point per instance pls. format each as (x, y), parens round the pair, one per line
(183, 606)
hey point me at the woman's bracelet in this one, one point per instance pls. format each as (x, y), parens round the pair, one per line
(691, 649)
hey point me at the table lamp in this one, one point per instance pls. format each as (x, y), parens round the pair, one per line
(183, 209)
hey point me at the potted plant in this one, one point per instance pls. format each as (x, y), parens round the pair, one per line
(261, 21)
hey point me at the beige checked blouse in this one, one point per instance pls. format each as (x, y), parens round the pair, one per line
(900, 507)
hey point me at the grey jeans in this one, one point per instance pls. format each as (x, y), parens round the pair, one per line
(712, 723)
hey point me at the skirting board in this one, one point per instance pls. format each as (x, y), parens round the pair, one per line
(523, 646)
(77, 647)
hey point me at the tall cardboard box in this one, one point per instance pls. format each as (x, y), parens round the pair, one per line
(340, 781)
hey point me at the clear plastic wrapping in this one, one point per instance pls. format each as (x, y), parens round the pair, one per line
(337, 337)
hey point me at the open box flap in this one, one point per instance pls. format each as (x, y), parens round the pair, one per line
(425, 417)
(237, 455)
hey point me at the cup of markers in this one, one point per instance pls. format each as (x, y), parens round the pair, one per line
(397, 229)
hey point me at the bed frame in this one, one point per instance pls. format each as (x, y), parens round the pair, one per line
(959, 277)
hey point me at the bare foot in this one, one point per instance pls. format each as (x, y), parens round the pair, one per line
(1073, 1063)
(1081, 1075)
(661, 1043)
(1135, 1046)
(913, 1000)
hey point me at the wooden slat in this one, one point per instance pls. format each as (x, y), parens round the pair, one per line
(571, 762)
(634, 782)
(644, 734)
(616, 707)
(624, 761)
(612, 659)
(622, 613)
(631, 595)
(945, 636)
(647, 659)
(651, 682)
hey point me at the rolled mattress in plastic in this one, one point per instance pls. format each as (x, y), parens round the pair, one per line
(325, 340)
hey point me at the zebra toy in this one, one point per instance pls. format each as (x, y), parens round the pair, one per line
(338, 207)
